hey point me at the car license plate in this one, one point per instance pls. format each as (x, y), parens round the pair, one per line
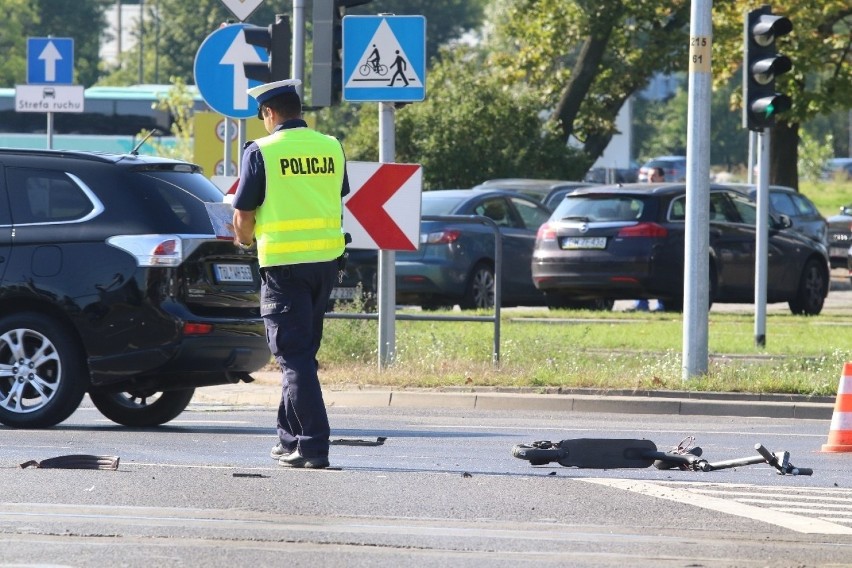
(343, 293)
(838, 251)
(584, 243)
(233, 273)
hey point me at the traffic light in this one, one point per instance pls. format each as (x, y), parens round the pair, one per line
(761, 65)
(327, 74)
(276, 39)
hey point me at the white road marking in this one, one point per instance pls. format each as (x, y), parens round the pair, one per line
(686, 495)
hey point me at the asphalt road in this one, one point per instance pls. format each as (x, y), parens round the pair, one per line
(443, 489)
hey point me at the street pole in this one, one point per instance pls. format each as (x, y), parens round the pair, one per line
(49, 130)
(298, 64)
(226, 168)
(697, 252)
(761, 260)
(752, 139)
(387, 258)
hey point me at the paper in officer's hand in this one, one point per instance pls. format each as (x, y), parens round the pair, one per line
(222, 218)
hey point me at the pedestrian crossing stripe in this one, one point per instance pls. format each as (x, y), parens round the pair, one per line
(384, 58)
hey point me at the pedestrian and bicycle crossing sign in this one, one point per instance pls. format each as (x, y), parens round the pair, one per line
(384, 58)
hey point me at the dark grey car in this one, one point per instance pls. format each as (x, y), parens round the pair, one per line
(787, 201)
(840, 236)
(455, 262)
(623, 242)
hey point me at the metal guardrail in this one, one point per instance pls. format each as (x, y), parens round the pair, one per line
(498, 285)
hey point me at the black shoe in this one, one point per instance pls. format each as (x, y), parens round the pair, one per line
(297, 460)
(279, 451)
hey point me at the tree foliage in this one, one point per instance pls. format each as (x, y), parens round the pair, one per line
(586, 57)
(446, 20)
(820, 47)
(173, 30)
(462, 140)
(178, 102)
(660, 127)
(81, 20)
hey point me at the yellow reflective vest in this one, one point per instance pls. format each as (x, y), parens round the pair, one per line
(300, 218)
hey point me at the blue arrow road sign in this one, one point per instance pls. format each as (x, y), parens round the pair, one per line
(50, 60)
(384, 58)
(219, 72)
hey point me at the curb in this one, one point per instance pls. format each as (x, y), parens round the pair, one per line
(267, 394)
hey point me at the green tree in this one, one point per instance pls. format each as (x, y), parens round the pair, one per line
(661, 126)
(82, 20)
(446, 20)
(820, 47)
(586, 57)
(178, 102)
(173, 30)
(462, 139)
(19, 16)
(171, 33)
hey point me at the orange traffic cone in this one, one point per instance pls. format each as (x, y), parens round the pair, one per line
(840, 432)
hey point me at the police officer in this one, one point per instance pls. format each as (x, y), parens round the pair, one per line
(289, 201)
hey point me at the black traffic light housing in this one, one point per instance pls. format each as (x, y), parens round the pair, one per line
(327, 72)
(761, 65)
(276, 39)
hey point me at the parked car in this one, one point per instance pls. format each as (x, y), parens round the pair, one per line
(557, 194)
(455, 262)
(674, 168)
(112, 282)
(623, 242)
(838, 169)
(840, 236)
(802, 212)
(613, 175)
(538, 189)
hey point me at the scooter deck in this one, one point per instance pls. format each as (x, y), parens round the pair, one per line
(605, 453)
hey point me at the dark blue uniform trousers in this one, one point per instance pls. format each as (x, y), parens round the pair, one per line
(293, 301)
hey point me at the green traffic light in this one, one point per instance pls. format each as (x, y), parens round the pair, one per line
(770, 110)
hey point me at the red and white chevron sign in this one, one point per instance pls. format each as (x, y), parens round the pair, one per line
(382, 210)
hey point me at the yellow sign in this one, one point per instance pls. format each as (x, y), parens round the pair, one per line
(209, 148)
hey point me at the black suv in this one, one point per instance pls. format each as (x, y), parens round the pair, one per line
(112, 282)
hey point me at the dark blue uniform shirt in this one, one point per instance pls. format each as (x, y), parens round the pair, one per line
(251, 190)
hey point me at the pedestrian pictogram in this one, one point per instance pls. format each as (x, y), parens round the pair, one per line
(382, 210)
(384, 58)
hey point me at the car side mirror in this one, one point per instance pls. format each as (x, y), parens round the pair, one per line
(780, 221)
(846, 210)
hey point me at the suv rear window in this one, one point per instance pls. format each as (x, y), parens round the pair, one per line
(175, 200)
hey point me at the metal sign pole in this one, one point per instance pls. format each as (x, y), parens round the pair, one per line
(696, 294)
(387, 258)
(49, 130)
(761, 260)
(241, 143)
(226, 168)
(752, 138)
(298, 63)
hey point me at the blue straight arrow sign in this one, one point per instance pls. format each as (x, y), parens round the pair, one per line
(220, 75)
(50, 60)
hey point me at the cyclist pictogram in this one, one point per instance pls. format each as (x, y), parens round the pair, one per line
(373, 64)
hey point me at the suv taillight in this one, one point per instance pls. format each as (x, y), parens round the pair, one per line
(644, 230)
(151, 250)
